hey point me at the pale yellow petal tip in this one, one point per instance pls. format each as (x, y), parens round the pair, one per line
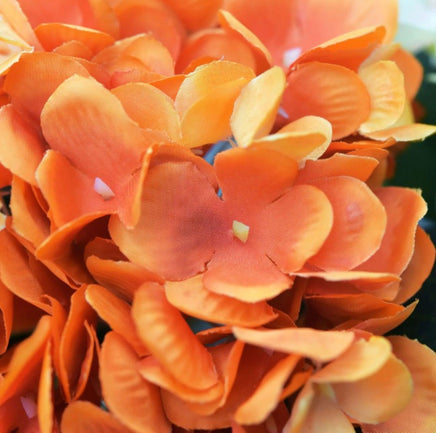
(103, 189)
(240, 231)
(2, 221)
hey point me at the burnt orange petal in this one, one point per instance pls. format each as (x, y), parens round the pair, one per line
(320, 346)
(206, 96)
(296, 225)
(168, 337)
(150, 108)
(45, 393)
(360, 399)
(330, 91)
(154, 18)
(191, 297)
(5, 176)
(404, 208)
(7, 311)
(248, 121)
(419, 414)
(419, 267)
(32, 80)
(359, 223)
(349, 49)
(52, 35)
(84, 417)
(340, 164)
(133, 400)
(233, 26)
(385, 84)
(267, 395)
(24, 366)
(304, 139)
(175, 247)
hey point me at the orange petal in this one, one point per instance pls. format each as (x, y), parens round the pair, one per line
(24, 366)
(385, 84)
(304, 139)
(359, 223)
(133, 400)
(330, 91)
(154, 18)
(349, 49)
(419, 267)
(207, 96)
(266, 397)
(116, 313)
(7, 311)
(321, 346)
(33, 79)
(45, 391)
(340, 164)
(84, 417)
(150, 108)
(404, 208)
(168, 337)
(360, 399)
(412, 132)
(233, 26)
(248, 121)
(296, 226)
(419, 414)
(192, 298)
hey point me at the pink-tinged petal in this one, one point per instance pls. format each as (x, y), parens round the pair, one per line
(252, 178)
(361, 399)
(330, 91)
(419, 414)
(248, 122)
(361, 360)
(192, 298)
(33, 79)
(385, 84)
(359, 223)
(296, 225)
(404, 208)
(133, 400)
(52, 35)
(6, 314)
(303, 139)
(412, 132)
(116, 313)
(150, 108)
(266, 397)
(154, 18)
(339, 164)
(180, 215)
(245, 273)
(349, 49)
(235, 27)
(419, 267)
(320, 346)
(25, 364)
(84, 417)
(164, 331)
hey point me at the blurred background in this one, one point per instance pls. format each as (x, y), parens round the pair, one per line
(416, 166)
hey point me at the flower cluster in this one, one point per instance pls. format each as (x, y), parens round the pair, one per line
(195, 232)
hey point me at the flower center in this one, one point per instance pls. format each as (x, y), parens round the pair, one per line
(240, 230)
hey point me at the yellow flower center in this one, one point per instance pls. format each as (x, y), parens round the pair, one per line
(240, 231)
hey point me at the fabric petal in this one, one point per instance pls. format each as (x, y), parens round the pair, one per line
(321, 346)
(134, 401)
(6, 315)
(163, 330)
(191, 297)
(412, 132)
(330, 91)
(419, 414)
(84, 417)
(247, 121)
(359, 223)
(45, 393)
(385, 84)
